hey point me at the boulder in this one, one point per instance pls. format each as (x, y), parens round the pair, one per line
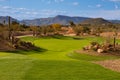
(100, 50)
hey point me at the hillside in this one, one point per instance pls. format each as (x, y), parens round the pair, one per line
(115, 21)
(5, 19)
(61, 19)
(95, 21)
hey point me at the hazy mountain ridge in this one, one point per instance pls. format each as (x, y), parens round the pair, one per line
(115, 21)
(57, 19)
(96, 21)
(4, 19)
(61, 19)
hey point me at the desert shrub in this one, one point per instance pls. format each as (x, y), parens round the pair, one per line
(94, 43)
(104, 47)
(22, 45)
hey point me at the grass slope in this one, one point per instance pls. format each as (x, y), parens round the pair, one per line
(53, 62)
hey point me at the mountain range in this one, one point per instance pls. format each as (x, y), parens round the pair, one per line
(96, 21)
(61, 19)
(57, 19)
(4, 19)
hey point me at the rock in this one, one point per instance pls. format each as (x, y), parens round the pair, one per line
(100, 50)
(85, 48)
(89, 47)
(96, 47)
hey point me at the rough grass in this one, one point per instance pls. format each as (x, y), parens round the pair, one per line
(54, 63)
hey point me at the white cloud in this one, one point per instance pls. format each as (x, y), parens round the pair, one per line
(52, 1)
(112, 0)
(3, 0)
(61, 0)
(107, 14)
(58, 0)
(6, 7)
(115, 0)
(116, 6)
(23, 13)
(75, 3)
(90, 6)
(98, 5)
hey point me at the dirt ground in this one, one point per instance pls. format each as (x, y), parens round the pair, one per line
(22, 36)
(90, 52)
(110, 64)
(110, 34)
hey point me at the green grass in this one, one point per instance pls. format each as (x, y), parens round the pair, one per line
(69, 70)
(55, 62)
(88, 57)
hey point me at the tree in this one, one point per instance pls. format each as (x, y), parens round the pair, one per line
(9, 28)
(56, 27)
(72, 24)
(114, 37)
(24, 27)
(78, 29)
(14, 29)
(34, 29)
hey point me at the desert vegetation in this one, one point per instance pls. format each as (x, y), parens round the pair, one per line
(11, 31)
(59, 39)
(49, 54)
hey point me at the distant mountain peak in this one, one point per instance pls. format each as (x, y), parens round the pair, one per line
(61, 16)
(5, 18)
(61, 19)
(95, 21)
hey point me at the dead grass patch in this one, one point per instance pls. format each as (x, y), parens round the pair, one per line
(110, 64)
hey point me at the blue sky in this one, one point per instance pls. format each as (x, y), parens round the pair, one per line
(30, 9)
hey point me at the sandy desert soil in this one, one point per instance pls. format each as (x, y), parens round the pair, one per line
(110, 64)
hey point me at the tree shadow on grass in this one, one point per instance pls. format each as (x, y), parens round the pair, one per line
(61, 37)
(68, 37)
(77, 38)
(27, 52)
